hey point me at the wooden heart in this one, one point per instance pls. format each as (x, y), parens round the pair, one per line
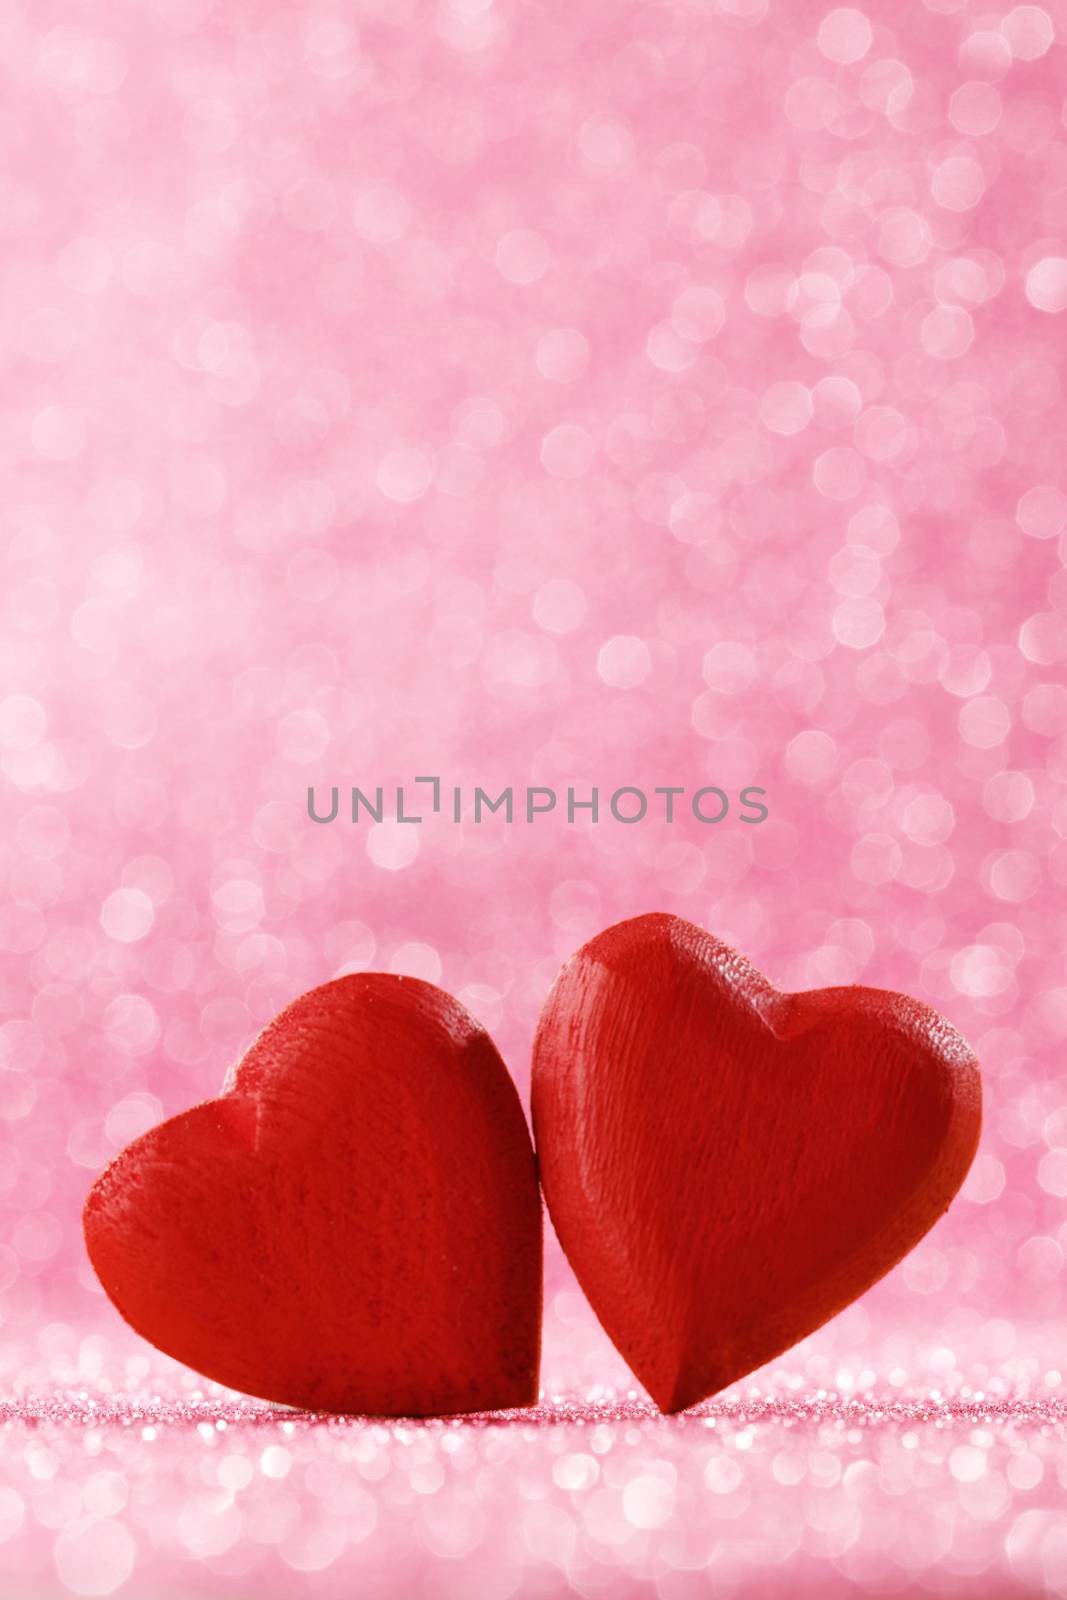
(354, 1225)
(727, 1166)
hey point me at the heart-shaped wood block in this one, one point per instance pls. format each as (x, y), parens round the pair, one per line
(354, 1225)
(727, 1166)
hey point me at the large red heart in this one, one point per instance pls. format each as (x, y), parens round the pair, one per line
(727, 1166)
(354, 1225)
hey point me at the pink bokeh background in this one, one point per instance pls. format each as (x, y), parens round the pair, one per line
(575, 395)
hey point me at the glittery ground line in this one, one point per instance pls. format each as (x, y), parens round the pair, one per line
(591, 1493)
(81, 1411)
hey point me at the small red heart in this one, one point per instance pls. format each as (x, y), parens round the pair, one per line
(354, 1225)
(727, 1166)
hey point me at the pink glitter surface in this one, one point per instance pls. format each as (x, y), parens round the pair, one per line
(551, 395)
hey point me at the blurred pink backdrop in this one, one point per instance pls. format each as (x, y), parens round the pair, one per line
(587, 394)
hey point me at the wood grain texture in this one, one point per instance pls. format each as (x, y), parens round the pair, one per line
(728, 1166)
(354, 1225)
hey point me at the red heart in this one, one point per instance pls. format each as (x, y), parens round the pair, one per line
(727, 1166)
(354, 1225)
